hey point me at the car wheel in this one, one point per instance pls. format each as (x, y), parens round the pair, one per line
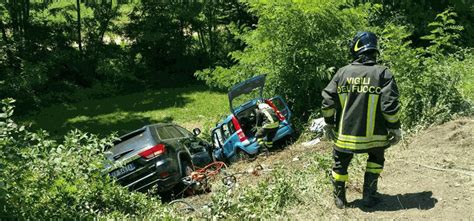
(186, 168)
(288, 140)
(181, 189)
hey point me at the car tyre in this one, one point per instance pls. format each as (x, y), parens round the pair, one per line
(186, 168)
(241, 156)
(287, 141)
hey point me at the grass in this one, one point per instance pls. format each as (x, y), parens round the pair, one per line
(467, 85)
(190, 107)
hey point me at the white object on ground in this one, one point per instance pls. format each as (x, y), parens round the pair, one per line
(317, 125)
(311, 142)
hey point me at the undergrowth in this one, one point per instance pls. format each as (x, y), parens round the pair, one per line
(42, 178)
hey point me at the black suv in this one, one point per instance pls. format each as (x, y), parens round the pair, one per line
(158, 154)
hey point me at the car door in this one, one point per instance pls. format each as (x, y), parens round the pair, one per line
(224, 139)
(218, 143)
(281, 105)
(171, 137)
(200, 150)
(228, 137)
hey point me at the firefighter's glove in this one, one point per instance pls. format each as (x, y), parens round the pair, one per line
(330, 131)
(394, 136)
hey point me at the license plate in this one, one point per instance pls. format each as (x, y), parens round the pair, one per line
(123, 170)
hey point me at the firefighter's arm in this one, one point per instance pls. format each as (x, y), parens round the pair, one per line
(390, 103)
(330, 97)
(259, 118)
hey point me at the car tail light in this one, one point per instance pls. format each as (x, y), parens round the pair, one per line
(164, 174)
(240, 133)
(153, 151)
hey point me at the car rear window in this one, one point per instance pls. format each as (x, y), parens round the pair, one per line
(129, 136)
(134, 141)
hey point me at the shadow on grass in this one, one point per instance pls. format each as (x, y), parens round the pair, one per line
(119, 113)
(121, 127)
(422, 200)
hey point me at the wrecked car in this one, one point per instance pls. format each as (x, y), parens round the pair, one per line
(234, 137)
(156, 155)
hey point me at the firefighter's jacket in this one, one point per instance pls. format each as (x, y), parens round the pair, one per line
(362, 101)
(267, 118)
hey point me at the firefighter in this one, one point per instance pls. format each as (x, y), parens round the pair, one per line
(267, 125)
(361, 109)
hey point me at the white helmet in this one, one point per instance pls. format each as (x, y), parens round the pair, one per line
(263, 105)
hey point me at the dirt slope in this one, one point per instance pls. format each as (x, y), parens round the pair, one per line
(430, 177)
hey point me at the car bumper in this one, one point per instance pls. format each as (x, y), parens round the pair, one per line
(157, 173)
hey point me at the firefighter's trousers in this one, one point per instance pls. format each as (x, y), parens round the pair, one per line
(342, 160)
(265, 136)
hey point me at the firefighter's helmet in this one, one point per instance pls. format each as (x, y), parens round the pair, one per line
(261, 104)
(363, 42)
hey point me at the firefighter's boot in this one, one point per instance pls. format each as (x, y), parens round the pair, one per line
(369, 197)
(339, 194)
(263, 149)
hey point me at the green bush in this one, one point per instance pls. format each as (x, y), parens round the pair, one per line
(41, 178)
(267, 199)
(429, 78)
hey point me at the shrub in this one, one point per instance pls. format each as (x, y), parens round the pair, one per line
(429, 78)
(42, 178)
(267, 199)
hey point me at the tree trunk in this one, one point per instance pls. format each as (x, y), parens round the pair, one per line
(210, 25)
(79, 39)
(25, 21)
(202, 39)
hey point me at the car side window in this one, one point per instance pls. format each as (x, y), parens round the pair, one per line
(231, 127)
(278, 102)
(225, 131)
(163, 133)
(185, 132)
(217, 138)
(174, 132)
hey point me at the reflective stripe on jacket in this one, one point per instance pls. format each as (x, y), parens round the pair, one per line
(362, 100)
(267, 118)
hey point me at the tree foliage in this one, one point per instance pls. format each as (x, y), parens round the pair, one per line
(50, 49)
(300, 46)
(297, 45)
(429, 77)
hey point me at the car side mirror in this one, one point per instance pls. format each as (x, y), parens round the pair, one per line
(196, 131)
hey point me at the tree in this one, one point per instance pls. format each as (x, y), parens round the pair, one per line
(298, 45)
